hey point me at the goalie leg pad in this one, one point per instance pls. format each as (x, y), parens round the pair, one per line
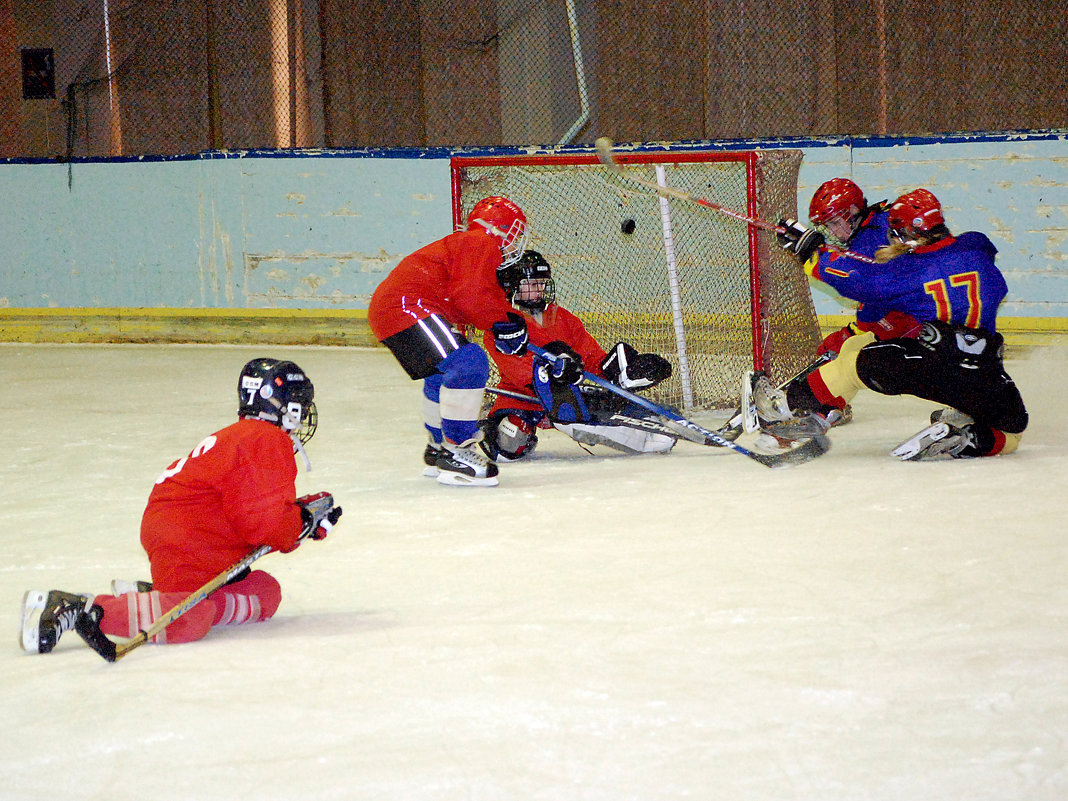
(620, 438)
(511, 434)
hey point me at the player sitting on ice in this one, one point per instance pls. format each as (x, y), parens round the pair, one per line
(951, 287)
(532, 394)
(235, 492)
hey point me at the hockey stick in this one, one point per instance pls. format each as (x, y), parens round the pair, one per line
(689, 430)
(114, 651)
(604, 154)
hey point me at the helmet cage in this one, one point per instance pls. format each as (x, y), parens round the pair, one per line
(528, 282)
(838, 199)
(503, 219)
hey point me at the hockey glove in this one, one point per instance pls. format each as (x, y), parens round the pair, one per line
(627, 368)
(567, 369)
(318, 515)
(797, 239)
(510, 335)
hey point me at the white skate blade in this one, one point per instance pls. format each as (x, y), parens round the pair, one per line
(431, 471)
(33, 603)
(451, 479)
(911, 448)
(750, 421)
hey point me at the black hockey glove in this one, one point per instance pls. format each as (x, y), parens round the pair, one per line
(567, 369)
(510, 335)
(627, 368)
(318, 515)
(797, 239)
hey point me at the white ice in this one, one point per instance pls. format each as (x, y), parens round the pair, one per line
(689, 625)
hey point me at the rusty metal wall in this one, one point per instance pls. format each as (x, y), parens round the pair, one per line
(159, 77)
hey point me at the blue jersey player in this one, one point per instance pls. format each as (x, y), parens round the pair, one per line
(951, 287)
(842, 217)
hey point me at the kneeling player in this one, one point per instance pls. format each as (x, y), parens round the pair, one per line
(537, 395)
(235, 492)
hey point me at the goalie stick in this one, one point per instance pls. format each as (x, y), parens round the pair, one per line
(691, 431)
(604, 154)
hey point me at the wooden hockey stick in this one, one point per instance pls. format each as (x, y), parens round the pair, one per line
(114, 651)
(604, 154)
(691, 431)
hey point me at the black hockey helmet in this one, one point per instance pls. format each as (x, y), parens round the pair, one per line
(528, 283)
(280, 393)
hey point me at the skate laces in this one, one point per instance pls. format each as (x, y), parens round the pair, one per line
(66, 615)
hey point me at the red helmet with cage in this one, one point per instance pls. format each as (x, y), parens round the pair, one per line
(915, 213)
(835, 198)
(500, 217)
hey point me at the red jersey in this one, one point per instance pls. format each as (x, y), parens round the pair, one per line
(235, 492)
(455, 277)
(557, 323)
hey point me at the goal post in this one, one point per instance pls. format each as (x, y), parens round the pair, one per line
(713, 295)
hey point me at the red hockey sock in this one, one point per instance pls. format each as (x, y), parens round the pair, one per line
(126, 615)
(251, 600)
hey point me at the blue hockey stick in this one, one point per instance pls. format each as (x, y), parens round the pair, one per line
(689, 430)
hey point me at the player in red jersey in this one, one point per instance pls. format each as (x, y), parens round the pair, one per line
(951, 286)
(590, 415)
(234, 493)
(419, 312)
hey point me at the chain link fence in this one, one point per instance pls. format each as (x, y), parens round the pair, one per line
(169, 77)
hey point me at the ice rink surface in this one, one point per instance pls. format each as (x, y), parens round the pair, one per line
(601, 627)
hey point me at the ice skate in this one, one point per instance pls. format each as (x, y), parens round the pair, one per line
(940, 440)
(765, 408)
(47, 616)
(464, 465)
(433, 452)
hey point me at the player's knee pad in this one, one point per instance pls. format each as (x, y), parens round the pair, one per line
(511, 434)
(467, 367)
(884, 369)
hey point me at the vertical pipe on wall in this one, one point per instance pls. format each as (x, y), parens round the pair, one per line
(214, 106)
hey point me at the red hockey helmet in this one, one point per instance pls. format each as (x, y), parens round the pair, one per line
(502, 218)
(915, 213)
(834, 198)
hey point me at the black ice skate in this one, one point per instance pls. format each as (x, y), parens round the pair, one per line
(47, 616)
(465, 466)
(433, 452)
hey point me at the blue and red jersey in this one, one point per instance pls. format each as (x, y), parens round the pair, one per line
(954, 280)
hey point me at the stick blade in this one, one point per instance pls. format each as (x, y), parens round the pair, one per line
(807, 451)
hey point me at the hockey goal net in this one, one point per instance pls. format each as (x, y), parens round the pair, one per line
(715, 296)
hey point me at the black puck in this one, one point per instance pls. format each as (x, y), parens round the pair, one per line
(627, 226)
